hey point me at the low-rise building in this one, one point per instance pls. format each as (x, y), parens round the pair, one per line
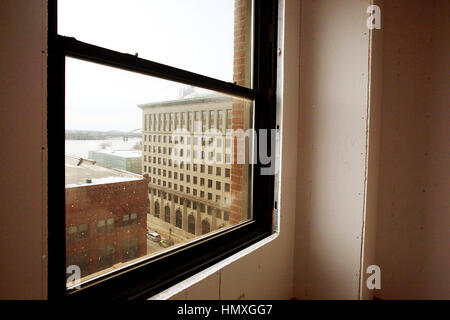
(106, 213)
(127, 160)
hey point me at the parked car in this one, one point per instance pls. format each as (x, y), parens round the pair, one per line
(154, 236)
(165, 243)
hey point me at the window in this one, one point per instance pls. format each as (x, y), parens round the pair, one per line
(126, 220)
(191, 224)
(229, 117)
(211, 119)
(220, 120)
(101, 227)
(87, 73)
(72, 232)
(83, 231)
(203, 121)
(179, 219)
(130, 249)
(110, 225)
(133, 218)
(106, 257)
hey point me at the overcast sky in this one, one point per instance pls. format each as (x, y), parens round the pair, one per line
(196, 35)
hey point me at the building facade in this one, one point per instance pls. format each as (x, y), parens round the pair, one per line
(105, 216)
(127, 160)
(203, 191)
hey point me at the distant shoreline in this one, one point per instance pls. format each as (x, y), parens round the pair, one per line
(101, 135)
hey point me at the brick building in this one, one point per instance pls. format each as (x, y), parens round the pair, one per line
(105, 215)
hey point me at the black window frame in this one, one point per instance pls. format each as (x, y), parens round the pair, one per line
(151, 276)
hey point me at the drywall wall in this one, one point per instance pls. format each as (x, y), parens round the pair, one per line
(413, 238)
(267, 273)
(22, 160)
(333, 148)
(372, 154)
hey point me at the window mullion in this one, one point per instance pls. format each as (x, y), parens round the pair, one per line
(81, 50)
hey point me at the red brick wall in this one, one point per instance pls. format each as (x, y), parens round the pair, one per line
(240, 42)
(241, 74)
(89, 204)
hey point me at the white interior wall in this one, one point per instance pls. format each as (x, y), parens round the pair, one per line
(23, 149)
(333, 146)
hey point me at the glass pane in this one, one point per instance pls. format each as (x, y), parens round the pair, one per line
(135, 185)
(209, 37)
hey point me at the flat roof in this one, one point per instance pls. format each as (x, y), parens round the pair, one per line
(79, 170)
(210, 98)
(121, 153)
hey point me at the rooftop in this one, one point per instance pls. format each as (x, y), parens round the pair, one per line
(121, 153)
(210, 98)
(82, 172)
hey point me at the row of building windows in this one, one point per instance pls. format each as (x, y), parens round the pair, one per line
(189, 204)
(106, 256)
(181, 139)
(103, 226)
(191, 219)
(187, 156)
(178, 175)
(195, 168)
(212, 119)
(195, 192)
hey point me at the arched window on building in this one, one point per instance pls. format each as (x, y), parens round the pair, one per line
(205, 227)
(178, 219)
(157, 209)
(167, 214)
(191, 224)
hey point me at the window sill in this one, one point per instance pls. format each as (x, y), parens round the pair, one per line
(185, 284)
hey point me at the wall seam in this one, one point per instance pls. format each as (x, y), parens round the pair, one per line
(366, 161)
(44, 207)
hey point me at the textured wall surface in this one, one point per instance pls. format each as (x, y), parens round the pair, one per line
(413, 240)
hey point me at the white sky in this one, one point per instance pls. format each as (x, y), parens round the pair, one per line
(196, 35)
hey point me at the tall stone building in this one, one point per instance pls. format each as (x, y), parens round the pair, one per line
(197, 197)
(193, 196)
